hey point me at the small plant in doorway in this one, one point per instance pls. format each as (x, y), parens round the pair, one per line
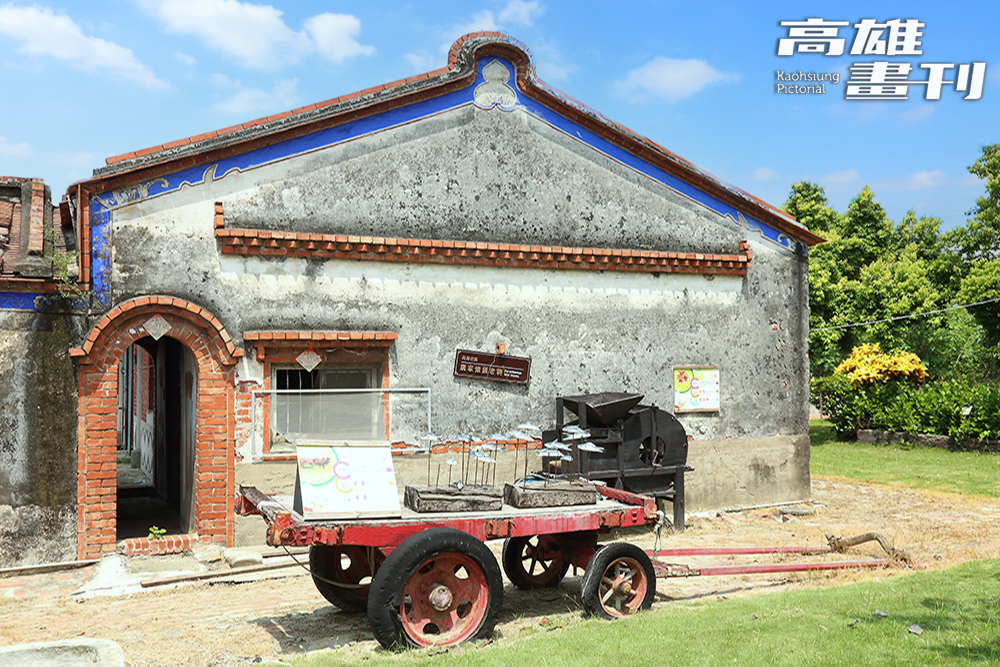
(156, 533)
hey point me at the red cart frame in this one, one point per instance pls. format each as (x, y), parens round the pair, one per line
(433, 581)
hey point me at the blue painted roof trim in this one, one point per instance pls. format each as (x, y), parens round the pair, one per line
(37, 301)
(21, 300)
(102, 205)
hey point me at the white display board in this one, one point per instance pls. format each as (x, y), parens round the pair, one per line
(346, 482)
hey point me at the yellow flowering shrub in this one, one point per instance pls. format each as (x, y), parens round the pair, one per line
(868, 364)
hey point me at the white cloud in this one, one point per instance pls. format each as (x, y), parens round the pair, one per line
(220, 79)
(74, 163)
(253, 34)
(521, 13)
(672, 79)
(14, 150)
(256, 35)
(971, 181)
(481, 21)
(186, 59)
(43, 33)
(920, 180)
(848, 176)
(333, 35)
(250, 101)
(422, 61)
(551, 64)
(764, 174)
(553, 71)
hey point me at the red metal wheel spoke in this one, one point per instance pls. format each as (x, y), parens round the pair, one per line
(537, 555)
(446, 621)
(616, 602)
(465, 590)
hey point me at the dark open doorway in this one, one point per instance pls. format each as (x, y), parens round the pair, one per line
(157, 383)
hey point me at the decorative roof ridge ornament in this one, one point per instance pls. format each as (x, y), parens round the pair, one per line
(494, 91)
(464, 52)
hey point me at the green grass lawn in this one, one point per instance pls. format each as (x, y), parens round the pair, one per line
(969, 473)
(957, 610)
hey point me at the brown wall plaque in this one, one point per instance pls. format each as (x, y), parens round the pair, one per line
(496, 367)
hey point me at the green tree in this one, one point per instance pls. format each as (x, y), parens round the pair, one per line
(977, 247)
(809, 206)
(980, 238)
(866, 234)
(981, 284)
(932, 249)
(854, 241)
(871, 270)
(897, 285)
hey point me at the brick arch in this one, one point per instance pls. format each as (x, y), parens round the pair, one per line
(215, 354)
(124, 322)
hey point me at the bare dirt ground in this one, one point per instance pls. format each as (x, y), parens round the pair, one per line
(214, 623)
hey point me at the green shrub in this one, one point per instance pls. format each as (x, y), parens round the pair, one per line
(896, 410)
(949, 407)
(841, 403)
(940, 406)
(980, 415)
(871, 389)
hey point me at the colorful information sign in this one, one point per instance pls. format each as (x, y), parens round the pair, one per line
(341, 482)
(696, 389)
(496, 367)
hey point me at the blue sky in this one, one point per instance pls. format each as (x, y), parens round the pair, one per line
(87, 80)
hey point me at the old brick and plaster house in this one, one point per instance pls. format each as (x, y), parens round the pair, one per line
(361, 241)
(38, 480)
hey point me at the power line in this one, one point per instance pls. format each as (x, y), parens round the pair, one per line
(906, 317)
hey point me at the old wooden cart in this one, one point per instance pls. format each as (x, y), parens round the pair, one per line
(429, 579)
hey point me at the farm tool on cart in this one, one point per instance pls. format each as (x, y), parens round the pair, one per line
(429, 580)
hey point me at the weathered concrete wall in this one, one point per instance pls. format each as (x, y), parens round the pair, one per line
(478, 175)
(500, 177)
(38, 437)
(747, 472)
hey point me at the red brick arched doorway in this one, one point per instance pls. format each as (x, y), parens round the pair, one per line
(205, 379)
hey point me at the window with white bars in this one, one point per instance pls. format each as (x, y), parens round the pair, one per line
(317, 413)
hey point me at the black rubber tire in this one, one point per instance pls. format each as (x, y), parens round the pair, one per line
(610, 559)
(513, 559)
(418, 553)
(325, 565)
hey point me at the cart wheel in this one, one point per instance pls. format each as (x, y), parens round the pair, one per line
(333, 565)
(533, 562)
(618, 581)
(438, 588)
